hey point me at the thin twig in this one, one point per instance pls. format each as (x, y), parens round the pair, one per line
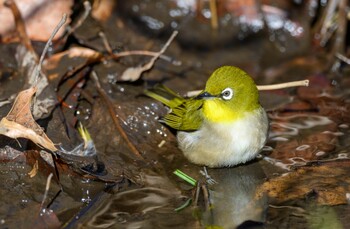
(146, 53)
(82, 18)
(102, 35)
(134, 73)
(43, 54)
(118, 55)
(48, 182)
(20, 26)
(206, 196)
(214, 14)
(343, 58)
(304, 83)
(196, 195)
(114, 116)
(173, 35)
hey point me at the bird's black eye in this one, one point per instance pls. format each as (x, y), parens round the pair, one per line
(227, 94)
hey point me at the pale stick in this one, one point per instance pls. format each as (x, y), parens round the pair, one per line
(304, 83)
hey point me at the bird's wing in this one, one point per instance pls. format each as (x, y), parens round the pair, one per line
(185, 113)
(187, 116)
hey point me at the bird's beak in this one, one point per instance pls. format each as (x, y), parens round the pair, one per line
(204, 95)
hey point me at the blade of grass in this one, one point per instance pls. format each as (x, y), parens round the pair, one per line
(185, 177)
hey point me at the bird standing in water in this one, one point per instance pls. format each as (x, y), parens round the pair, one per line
(224, 125)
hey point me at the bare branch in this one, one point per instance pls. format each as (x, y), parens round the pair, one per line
(53, 34)
(304, 83)
(134, 73)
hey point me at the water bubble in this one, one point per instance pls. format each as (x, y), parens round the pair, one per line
(112, 79)
(135, 8)
(173, 24)
(206, 13)
(175, 13)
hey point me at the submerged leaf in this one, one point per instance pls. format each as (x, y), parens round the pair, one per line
(328, 185)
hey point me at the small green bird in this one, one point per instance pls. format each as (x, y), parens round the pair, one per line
(224, 125)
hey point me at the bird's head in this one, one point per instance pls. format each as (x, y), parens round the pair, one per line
(229, 94)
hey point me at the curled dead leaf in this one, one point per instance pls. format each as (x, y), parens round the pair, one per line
(19, 122)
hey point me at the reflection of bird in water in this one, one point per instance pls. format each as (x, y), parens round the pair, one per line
(233, 200)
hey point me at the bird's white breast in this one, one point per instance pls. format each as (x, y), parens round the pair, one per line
(226, 144)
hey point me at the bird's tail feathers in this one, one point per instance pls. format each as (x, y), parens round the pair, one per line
(165, 95)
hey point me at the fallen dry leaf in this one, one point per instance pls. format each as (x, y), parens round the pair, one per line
(19, 122)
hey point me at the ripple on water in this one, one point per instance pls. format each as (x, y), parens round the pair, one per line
(298, 138)
(292, 124)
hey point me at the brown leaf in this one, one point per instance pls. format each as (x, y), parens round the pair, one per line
(19, 122)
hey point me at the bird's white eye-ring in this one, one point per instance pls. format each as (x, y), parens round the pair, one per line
(227, 94)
